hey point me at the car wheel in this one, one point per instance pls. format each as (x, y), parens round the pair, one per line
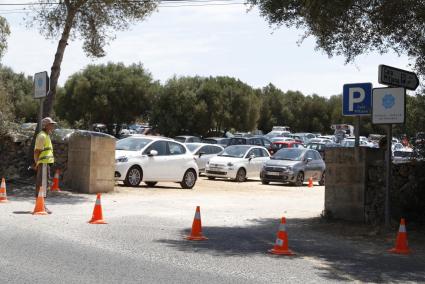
(133, 177)
(300, 179)
(189, 179)
(322, 179)
(264, 182)
(211, 178)
(240, 175)
(151, 183)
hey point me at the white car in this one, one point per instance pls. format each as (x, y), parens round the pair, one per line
(237, 162)
(152, 159)
(203, 152)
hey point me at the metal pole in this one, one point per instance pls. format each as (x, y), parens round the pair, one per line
(357, 131)
(388, 174)
(40, 114)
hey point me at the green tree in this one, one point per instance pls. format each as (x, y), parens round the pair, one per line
(354, 27)
(95, 22)
(4, 33)
(18, 90)
(198, 105)
(110, 94)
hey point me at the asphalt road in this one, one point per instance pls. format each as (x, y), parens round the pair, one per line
(143, 240)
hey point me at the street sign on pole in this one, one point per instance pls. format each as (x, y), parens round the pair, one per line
(388, 105)
(41, 85)
(395, 77)
(356, 99)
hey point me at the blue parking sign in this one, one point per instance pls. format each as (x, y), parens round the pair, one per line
(357, 99)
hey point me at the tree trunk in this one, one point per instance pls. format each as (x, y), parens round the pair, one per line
(56, 67)
(54, 74)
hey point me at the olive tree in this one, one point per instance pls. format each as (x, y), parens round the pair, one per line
(4, 33)
(354, 27)
(95, 22)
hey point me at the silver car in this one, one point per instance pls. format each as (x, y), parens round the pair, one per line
(203, 152)
(294, 165)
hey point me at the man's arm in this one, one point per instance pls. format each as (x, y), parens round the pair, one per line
(36, 155)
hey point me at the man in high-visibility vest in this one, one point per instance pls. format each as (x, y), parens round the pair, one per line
(43, 155)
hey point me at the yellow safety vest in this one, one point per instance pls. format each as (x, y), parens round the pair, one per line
(46, 155)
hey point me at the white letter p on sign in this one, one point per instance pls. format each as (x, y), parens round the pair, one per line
(352, 100)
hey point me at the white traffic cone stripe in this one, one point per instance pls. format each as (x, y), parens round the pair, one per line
(41, 192)
(198, 215)
(402, 229)
(282, 228)
(97, 201)
(279, 242)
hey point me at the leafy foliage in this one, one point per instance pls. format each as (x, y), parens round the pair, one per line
(201, 105)
(16, 92)
(4, 33)
(93, 21)
(109, 94)
(354, 27)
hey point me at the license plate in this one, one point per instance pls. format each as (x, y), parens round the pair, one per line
(273, 173)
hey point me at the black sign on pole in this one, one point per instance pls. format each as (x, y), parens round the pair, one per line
(395, 77)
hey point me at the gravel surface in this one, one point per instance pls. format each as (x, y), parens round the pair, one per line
(143, 240)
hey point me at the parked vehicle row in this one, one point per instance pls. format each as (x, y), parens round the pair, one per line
(152, 159)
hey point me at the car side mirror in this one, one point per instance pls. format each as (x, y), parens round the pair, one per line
(201, 154)
(251, 157)
(153, 153)
(308, 160)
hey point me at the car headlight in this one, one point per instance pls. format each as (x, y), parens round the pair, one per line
(121, 160)
(230, 164)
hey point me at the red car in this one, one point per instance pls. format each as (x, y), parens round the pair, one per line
(276, 146)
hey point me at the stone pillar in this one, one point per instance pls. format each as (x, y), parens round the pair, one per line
(91, 164)
(346, 181)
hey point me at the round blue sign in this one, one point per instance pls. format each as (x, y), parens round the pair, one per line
(388, 101)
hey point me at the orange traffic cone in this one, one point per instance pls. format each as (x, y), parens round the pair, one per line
(55, 186)
(401, 245)
(3, 196)
(310, 182)
(281, 244)
(196, 234)
(97, 217)
(40, 208)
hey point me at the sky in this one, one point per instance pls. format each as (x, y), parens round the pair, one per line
(221, 40)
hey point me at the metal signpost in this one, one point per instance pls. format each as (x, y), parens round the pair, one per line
(357, 101)
(41, 87)
(388, 108)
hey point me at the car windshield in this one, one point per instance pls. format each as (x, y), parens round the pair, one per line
(132, 144)
(235, 151)
(348, 143)
(180, 139)
(315, 146)
(292, 154)
(403, 154)
(192, 147)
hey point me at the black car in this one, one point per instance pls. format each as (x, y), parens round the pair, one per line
(259, 141)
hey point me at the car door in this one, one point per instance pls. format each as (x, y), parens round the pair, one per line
(254, 164)
(202, 156)
(156, 167)
(210, 151)
(177, 161)
(309, 167)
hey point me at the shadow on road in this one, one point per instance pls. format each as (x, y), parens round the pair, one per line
(341, 257)
(25, 191)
